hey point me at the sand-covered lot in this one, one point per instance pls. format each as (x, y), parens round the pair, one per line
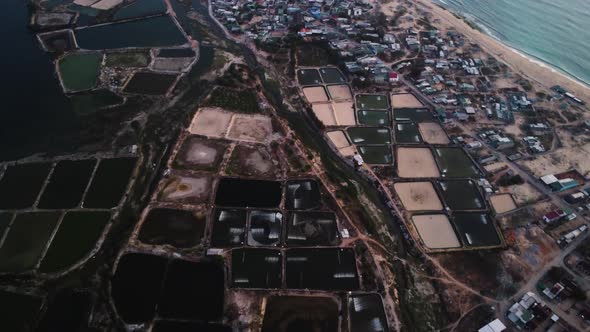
(315, 94)
(436, 231)
(560, 161)
(325, 114)
(253, 128)
(416, 163)
(502, 203)
(210, 122)
(432, 133)
(340, 141)
(344, 113)
(215, 122)
(405, 100)
(106, 4)
(418, 196)
(340, 92)
(523, 193)
(193, 189)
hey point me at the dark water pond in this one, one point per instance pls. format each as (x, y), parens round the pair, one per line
(248, 193)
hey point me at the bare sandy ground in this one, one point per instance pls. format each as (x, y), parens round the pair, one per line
(85, 2)
(502, 203)
(193, 189)
(543, 75)
(210, 122)
(495, 166)
(560, 161)
(201, 154)
(315, 94)
(338, 138)
(254, 128)
(107, 4)
(405, 100)
(344, 113)
(523, 193)
(416, 163)
(340, 92)
(436, 231)
(418, 196)
(325, 114)
(432, 133)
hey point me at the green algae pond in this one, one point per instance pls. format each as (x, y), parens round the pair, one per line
(369, 135)
(26, 240)
(94, 101)
(372, 102)
(376, 154)
(79, 71)
(476, 229)
(151, 32)
(76, 236)
(373, 118)
(413, 114)
(407, 133)
(454, 163)
(461, 195)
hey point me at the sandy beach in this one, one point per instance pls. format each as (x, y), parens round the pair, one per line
(532, 69)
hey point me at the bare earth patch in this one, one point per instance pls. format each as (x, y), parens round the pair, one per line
(436, 231)
(344, 113)
(254, 128)
(187, 189)
(432, 133)
(416, 163)
(502, 203)
(418, 196)
(560, 161)
(315, 94)
(523, 193)
(405, 100)
(210, 122)
(340, 92)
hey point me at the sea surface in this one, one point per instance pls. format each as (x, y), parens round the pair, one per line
(554, 32)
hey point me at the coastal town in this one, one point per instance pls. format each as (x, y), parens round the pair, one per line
(329, 165)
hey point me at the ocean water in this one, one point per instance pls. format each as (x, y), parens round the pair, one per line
(556, 32)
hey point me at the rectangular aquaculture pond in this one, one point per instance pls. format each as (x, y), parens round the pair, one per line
(376, 154)
(88, 103)
(461, 195)
(407, 132)
(21, 184)
(331, 75)
(308, 77)
(178, 228)
(312, 229)
(369, 135)
(192, 291)
(248, 193)
(373, 118)
(76, 236)
(265, 228)
(176, 53)
(150, 83)
(26, 240)
(454, 163)
(302, 195)
(301, 313)
(372, 102)
(229, 226)
(109, 183)
(197, 153)
(256, 268)
(412, 114)
(476, 229)
(136, 286)
(67, 184)
(321, 268)
(366, 313)
(140, 8)
(151, 32)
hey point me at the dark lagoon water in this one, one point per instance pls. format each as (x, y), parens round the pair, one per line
(34, 110)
